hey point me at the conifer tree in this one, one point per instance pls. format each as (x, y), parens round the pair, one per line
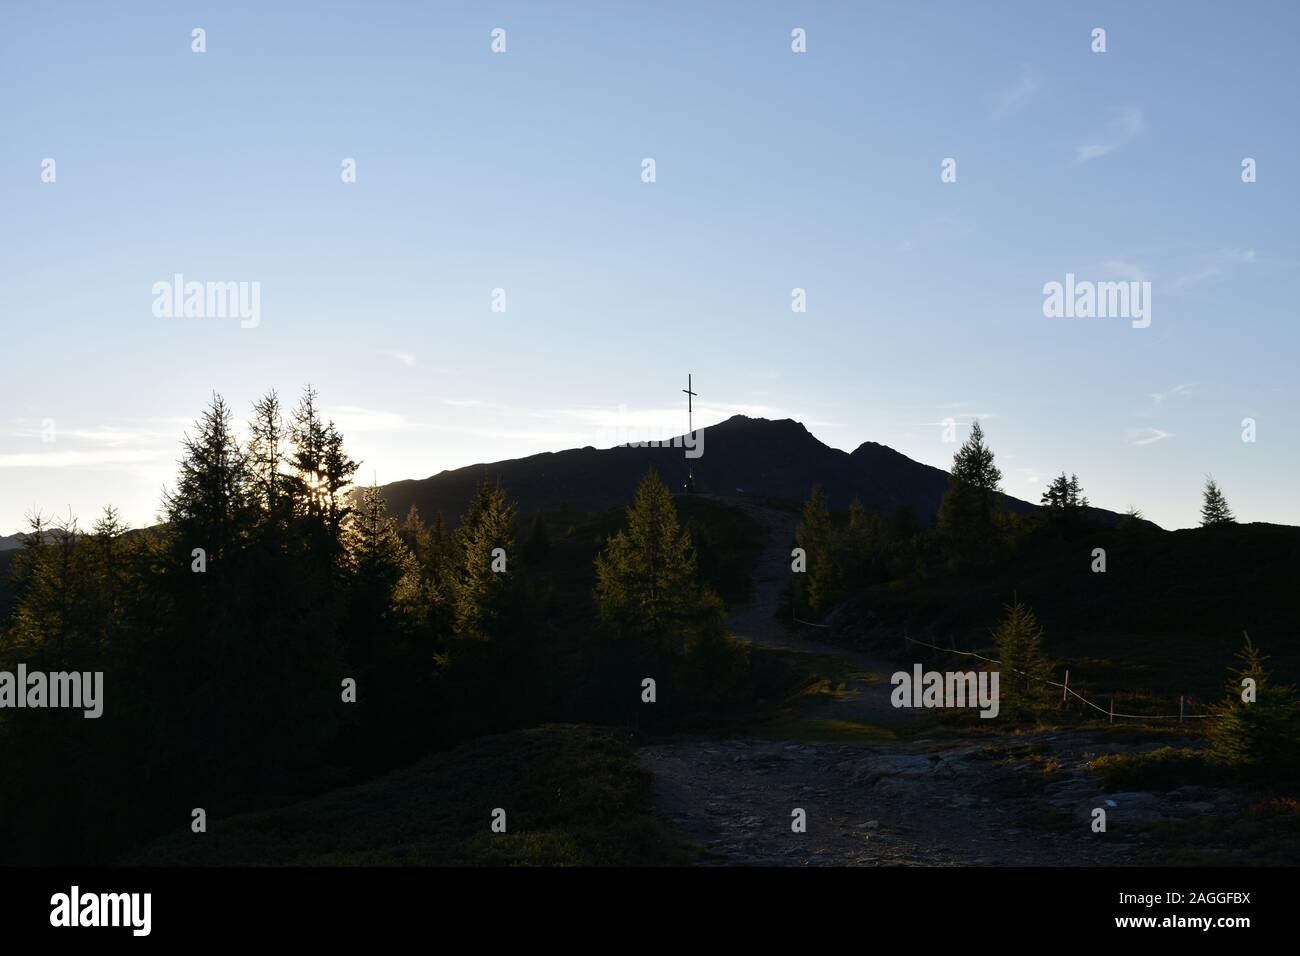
(966, 514)
(646, 578)
(537, 544)
(822, 544)
(1064, 500)
(1214, 509)
(481, 594)
(381, 561)
(1264, 732)
(337, 469)
(266, 452)
(307, 431)
(864, 544)
(212, 501)
(415, 534)
(1024, 667)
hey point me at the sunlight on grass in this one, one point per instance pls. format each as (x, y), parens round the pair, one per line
(835, 731)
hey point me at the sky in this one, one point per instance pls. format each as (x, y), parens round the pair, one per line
(523, 171)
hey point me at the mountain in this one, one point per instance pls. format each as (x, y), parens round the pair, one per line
(10, 542)
(742, 455)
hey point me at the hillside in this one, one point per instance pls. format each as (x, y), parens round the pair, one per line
(756, 457)
(1167, 615)
(573, 795)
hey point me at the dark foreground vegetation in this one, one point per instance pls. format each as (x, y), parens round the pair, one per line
(280, 635)
(572, 796)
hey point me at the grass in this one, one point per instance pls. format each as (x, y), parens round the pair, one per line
(1164, 769)
(573, 795)
(790, 683)
(813, 730)
(1266, 834)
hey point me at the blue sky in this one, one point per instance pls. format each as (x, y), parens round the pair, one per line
(775, 170)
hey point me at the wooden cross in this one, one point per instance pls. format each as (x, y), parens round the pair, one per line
(690, 420)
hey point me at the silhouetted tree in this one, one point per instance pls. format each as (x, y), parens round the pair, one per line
(266, 451)
(966, 515)
(308, 434)
(1214, 509)
(823, 582)
(212, 503)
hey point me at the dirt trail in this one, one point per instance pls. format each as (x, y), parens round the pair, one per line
(915, 799)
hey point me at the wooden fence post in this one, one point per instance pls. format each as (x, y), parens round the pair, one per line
(1112, 710)
(1066, 689)
(1180, 708)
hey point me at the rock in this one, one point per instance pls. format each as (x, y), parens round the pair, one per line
(1136, 806)
(896, 766)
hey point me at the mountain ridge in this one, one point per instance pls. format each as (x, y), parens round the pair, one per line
(773, 458)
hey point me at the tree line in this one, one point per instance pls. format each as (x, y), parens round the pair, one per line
(973, 529)
(279, 633)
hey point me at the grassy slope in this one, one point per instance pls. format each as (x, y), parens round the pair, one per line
(573, 795)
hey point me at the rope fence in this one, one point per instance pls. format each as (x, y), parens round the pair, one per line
(1112, 713)
(809, 623)
(1066, 692)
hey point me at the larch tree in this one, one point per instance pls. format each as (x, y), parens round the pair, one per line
(485, 546)
(647, 577)
(1024, 667)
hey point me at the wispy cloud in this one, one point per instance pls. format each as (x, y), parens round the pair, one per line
(1214, 264)
(79, 459)
(1122, 128)
(1180, 268)
(127, 443)
(406, 358)
(1145, 436)
(1018, 95)
(1160, 400)
(1161, 397)
(356, 420)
